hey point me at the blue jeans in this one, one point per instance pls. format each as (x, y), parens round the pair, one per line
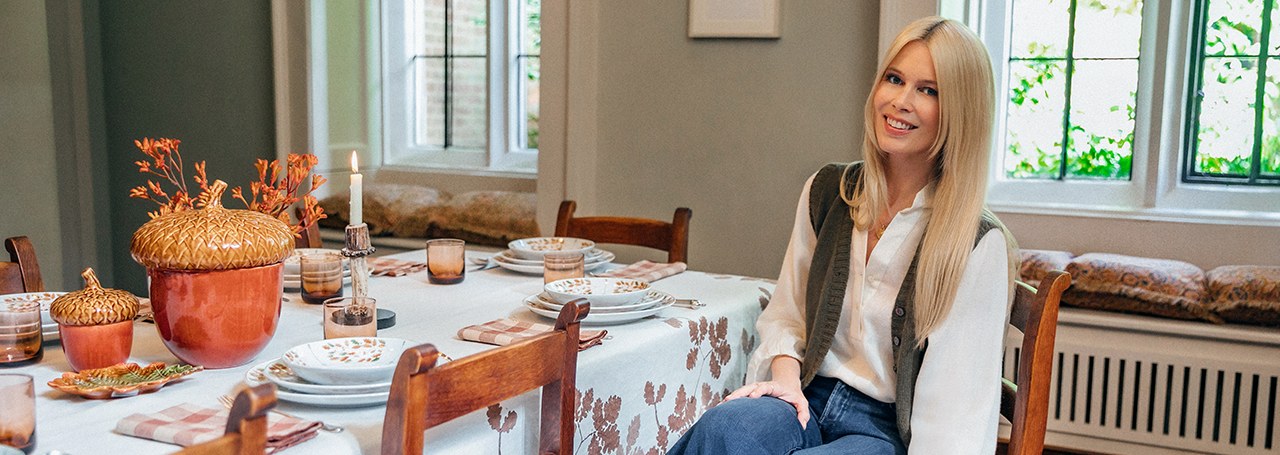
(842, 420)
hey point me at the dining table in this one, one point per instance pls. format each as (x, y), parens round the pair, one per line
(638, 390)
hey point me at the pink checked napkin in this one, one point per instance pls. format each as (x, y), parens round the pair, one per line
(647, 270)
(506, 331)
(187, 424)
(394, 267)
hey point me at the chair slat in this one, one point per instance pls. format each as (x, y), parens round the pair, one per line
(671, 237)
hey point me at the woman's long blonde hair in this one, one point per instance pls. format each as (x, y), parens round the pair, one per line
(966, 98)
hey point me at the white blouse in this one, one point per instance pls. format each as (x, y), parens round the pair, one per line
(957, 398)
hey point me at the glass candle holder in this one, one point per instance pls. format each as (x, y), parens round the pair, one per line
(321, 277)
(445, 261)
(350, 317)
(18, 421)
(562, 265)
(20, 336)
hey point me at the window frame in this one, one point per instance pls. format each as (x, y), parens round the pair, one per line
(1199, 35)
(1155, 189)
(502, 155)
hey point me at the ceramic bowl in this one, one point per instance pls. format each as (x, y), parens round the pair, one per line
(534, 248)
(356, 360)
(601, 292)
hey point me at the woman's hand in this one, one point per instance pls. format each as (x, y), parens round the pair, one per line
(785, 387)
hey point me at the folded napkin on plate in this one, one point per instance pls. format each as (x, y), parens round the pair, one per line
(393, 267)
(187, 424)
(647, 270)
(506, 331)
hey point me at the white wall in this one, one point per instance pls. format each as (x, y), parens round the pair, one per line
(729, 128)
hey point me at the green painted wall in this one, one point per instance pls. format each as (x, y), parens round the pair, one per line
(200, 72)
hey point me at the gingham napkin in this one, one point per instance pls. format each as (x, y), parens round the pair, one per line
(187, 424)
(506, 331)
(393, 267)
(647, 270)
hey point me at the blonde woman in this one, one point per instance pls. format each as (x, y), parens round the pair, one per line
(884, 334)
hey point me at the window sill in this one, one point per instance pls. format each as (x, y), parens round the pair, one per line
(1167, 215)
(459, 180)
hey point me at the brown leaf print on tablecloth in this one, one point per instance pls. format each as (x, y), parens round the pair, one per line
(764, 300)
(604, 436)
(499, 424)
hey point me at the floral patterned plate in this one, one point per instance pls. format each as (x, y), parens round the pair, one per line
(595, 318)
(651, 299)
(123, 380)
(279, 373)
(256, 376)
(355, 360)
(535, 268)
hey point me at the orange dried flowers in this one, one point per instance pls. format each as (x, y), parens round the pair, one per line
(278, 193)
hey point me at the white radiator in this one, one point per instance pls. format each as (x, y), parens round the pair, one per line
(1140, 385)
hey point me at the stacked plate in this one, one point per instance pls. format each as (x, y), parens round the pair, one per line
(652, 303)
(338, 372)
(293, 271)
(48, 328)
(507, 259)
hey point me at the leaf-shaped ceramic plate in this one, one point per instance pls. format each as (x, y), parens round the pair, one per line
(123, 380)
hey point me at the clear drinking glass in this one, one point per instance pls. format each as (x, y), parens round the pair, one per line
(20, 336)
(18, 419)
(350, 317)
(562, 265)
(445, 260)
(321, 276)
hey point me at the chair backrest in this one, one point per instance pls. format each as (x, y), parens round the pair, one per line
(671, 237)
(1026, 405)
(310, 237)
(246, 432)
(22, 274)
(424, 395)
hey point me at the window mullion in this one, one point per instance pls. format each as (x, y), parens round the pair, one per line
(1066, 110)
(1259, 109)
(448, 73)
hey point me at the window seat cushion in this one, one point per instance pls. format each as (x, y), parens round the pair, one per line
(1159, 287)
(1245, 294)
(481, 217)
(1038, 263)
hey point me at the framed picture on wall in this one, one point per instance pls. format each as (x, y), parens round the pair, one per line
(734, 19)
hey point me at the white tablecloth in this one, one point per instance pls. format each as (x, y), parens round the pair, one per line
(642, 388)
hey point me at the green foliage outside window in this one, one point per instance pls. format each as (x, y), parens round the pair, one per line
(1237, 93)
(1073, 89)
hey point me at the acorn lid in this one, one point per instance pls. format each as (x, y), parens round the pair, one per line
(93, 305)
(212, 238)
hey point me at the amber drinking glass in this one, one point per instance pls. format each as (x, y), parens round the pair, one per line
(321, 275)
(350, 317)
(560, 265)
(18, 411)
(445, 259)
(20, 336)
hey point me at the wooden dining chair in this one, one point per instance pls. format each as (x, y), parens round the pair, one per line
(246, 432)
(310, 236)
(671, 237)
(424, 395)
(22, 273)
(1026, 402)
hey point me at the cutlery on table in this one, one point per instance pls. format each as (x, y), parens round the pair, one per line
(227, 400)
(485, 262)
(691, 304)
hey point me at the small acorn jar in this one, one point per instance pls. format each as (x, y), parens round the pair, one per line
(95, 324)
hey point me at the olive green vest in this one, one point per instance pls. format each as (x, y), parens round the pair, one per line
(829, 277)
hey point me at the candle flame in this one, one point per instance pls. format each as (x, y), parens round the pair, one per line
(354, 164)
